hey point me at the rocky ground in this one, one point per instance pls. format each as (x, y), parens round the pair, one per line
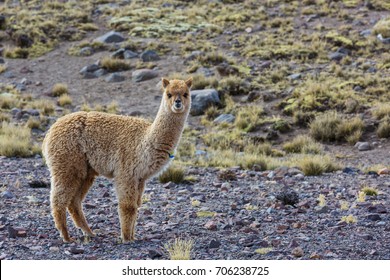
(240, 215)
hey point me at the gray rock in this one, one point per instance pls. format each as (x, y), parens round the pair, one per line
(15, 111)
(296, 76)
(2, 61)
(90, 68)
(110, 37)
(100, 72)
(144, 75)
(321, 209)
(32, 112)
(88, 71)
(200, 153)
(336, 56)
(7, 195)
(363, 146)
(149, 55)
(214, 244)
(202, 99)
(86, 51)
(115, 78)
(366, 33)
(194, 55)
(153, 254)
(373, 217)
(207, 72)
(227, 118)
(383, 40)
(118, 54)
(129, 54)
(9, 75)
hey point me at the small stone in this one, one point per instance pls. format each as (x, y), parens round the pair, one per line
(37, 184)
(373, 217)
(315, 256)
(210, 225)
(214, 244)
(149, 55)
(110, 37)
(129, 54)
(377, 208)
(7, 195)
(384, 171)
(89, 206)
(321, 209)
(225, 118)
(54, 249)
(288, 197)
(154, 254)
(12, 233)
(169, 185)
(294, 243)
(297, 252)
(141, 75)
(363, 146)
(76, 251)
(86, 51)
(115, 78)
(9, 75)
(118, 53)
(365, 33)
(336, 56)
(248, 30)
(100, 73)
(294, 77)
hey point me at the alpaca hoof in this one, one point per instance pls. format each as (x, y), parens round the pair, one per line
(68, 240)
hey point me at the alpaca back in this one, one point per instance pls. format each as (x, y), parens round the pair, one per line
(106, 141)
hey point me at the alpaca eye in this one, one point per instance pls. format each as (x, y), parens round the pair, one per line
(185, 95)
(169, 95)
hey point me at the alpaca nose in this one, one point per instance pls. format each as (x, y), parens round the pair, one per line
(178, 103)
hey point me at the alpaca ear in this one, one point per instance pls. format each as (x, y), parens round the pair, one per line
(189, 83)
(165, 83)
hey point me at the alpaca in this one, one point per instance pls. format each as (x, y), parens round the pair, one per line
(82, 145)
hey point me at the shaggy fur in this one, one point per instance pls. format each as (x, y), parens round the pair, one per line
(82, 145)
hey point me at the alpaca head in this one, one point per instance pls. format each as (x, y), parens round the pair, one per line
(177, 95)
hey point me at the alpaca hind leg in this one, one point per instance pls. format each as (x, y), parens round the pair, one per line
(59, 199)
(75, 208)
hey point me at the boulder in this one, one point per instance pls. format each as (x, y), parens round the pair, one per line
(202, 99)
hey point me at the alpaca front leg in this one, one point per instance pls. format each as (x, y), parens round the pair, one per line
(128, 217)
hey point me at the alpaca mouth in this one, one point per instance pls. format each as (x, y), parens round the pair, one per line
(178, 108)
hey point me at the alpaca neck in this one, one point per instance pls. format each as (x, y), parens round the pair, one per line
(167, 127)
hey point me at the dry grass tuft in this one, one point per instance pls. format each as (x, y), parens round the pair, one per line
(303, 144)
(114, 64)
(64, 100)
(59, 89)
(180, 249)
(15, 141)
(172, 174)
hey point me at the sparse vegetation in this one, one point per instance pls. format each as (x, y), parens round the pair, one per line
(59, 89)
(172, 174)
(331, 127)
(180, 249)
(114, 64)
(303, 144)
(350, 219)
(15, 141)
(64, 100)
(369, 191)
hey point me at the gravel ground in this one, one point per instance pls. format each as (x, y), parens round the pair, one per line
(248, 214)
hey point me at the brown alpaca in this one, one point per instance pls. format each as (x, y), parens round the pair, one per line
(82, 145)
